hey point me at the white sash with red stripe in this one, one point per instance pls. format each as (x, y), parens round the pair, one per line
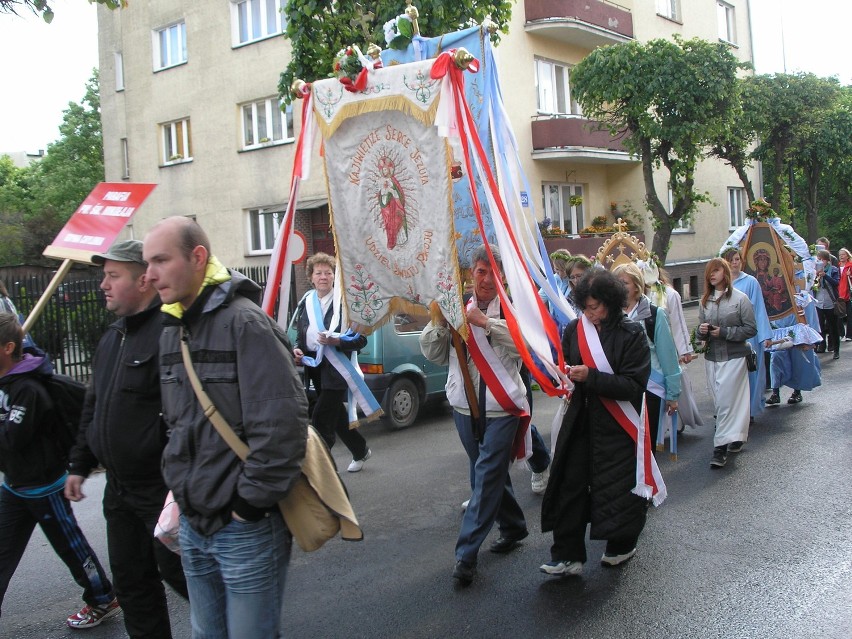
(511, 396)
(649, 480)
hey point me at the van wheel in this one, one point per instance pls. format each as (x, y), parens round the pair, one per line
(403, 403)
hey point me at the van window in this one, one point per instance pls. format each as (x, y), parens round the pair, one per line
(409, 322)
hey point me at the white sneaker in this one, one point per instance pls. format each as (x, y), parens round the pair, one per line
(358, 464)
(562, 568)
(465, 503)
(615, 560)
(539, 481)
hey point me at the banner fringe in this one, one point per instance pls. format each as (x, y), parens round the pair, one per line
(390, 103)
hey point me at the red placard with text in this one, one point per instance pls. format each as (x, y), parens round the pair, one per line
(98, 220)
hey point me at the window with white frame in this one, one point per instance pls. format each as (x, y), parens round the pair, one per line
(683, 224)
(119, 71)
(736, 205)
(253, 20)
(125, 155)
(170, 46)
(176, 141)
(553, 89)
(263, 227)
(563, 204)
(669, 9)
(264, 123)
(725, 17)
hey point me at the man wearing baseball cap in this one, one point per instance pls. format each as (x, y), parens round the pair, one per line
(122, 430)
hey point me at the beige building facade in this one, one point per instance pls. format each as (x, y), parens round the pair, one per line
(189, 102)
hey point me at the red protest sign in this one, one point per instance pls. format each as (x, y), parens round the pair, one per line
(98, 220)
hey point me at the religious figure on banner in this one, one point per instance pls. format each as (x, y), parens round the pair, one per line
(391, 198)
(772, 284)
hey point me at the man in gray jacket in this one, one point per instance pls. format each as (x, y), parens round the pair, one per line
(234, 543)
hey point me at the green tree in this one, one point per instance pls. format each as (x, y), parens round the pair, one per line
(43, 9)
(318, 29)
(784, 109)
(732, 144)
(826, 142)
(40, 198)
(13, 197)
(670, 99)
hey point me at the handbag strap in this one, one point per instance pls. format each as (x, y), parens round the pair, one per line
(210, 411)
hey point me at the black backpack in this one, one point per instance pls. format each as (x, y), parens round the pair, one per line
(67, 397)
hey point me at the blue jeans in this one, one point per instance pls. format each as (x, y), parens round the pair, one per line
(235, 578)
(492, 497)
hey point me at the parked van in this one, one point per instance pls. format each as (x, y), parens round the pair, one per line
(396, 371)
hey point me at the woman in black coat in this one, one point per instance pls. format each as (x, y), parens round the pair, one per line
(594, 464)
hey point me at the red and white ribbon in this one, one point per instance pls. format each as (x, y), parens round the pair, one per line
(649, 480)
(502, 385)
(276, 285)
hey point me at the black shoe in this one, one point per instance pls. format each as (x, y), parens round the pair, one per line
(836, 355)
(795, 398)
(508, 544)
(774, 398)
(735, 447)
(464, 573)
(820, 348)
(720, 457)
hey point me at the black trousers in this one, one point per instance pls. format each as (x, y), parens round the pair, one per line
(140, 562)
(330, 418)
(18, 519)
(569, 534)
(829, 325)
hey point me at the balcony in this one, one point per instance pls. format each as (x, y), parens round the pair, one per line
(576, 139)
(585, 23)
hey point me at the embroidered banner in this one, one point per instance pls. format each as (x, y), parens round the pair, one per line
(481, 92)
(390, 195)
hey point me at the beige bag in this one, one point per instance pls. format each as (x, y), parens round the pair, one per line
(317, 506)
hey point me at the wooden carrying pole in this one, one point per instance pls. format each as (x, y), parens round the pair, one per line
(61, 272)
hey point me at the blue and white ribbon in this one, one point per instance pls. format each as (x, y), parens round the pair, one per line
(346, 366)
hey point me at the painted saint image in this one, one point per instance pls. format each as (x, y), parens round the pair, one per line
(771, 282)
(392, 203)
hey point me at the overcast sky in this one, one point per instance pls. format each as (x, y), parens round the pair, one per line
(46, 66)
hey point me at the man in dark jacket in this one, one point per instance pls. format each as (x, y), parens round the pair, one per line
(33, 465)
(122, 429)
(234, 543)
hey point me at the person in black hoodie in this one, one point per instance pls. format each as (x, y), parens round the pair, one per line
(122, 429)
(33, 466)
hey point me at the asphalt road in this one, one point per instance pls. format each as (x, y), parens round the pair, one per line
(760, 549)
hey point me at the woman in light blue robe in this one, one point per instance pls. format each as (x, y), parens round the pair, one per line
(747, 284)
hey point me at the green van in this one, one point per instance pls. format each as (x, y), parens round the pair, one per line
(396, 371)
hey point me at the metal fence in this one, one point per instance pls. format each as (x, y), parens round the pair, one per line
(74, 319)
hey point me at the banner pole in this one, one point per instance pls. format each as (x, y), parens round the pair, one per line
(61, 272)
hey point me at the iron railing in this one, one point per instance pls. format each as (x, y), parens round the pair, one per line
(74, 319)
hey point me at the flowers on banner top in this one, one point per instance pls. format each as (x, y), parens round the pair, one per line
(398, 32)
(352, 66)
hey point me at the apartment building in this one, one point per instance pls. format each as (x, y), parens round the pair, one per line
(189, 102)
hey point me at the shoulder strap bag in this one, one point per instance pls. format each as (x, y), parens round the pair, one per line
(317, 507)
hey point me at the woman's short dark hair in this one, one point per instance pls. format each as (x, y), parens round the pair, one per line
(603, 286)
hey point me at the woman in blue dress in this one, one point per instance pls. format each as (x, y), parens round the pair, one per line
(748, 284)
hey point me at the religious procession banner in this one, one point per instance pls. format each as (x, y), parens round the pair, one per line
(390, 194)
(780, 260)
(400, 145)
